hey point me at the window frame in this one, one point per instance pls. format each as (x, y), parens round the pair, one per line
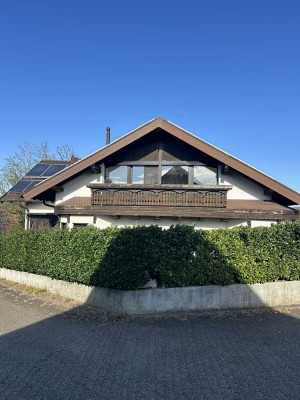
(190, 165)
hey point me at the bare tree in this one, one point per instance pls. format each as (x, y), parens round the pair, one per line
(64, 152)
(25, 158)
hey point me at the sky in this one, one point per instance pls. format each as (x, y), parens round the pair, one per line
(227, 71)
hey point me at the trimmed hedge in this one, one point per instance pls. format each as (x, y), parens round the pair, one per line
(127, 258)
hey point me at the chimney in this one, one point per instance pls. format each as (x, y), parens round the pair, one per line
(107, 135)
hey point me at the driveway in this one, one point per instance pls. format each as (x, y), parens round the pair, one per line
(50, 349)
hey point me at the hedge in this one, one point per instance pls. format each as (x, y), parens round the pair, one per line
(127, 258)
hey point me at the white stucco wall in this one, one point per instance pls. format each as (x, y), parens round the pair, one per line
(106, 221)
(242, 187)
(256, 223)
(77, 186)
(81, 219)
(39, 208)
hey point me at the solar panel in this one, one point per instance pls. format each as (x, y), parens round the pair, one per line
(32, 184)
(54, 168)
(38, 170)
(21, 186)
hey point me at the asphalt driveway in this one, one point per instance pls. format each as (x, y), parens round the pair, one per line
(50, 349)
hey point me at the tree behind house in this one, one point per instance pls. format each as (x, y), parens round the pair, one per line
(16, 166)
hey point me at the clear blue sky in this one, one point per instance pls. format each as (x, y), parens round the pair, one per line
(227, 71)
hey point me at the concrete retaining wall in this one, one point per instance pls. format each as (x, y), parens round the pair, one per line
(203, 298)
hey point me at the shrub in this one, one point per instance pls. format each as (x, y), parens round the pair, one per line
(131, 258)
(127, 258)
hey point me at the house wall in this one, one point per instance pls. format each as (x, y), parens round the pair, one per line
(104, 222)
(254, 223)
(242, 187)
(77, 186)
(39, 208)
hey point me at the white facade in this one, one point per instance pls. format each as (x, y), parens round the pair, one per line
(242, 189)
(77, 187)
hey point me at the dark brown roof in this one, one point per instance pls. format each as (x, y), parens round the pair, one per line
(237, 209)
(247, 170)
(76, 202)
(83, 202)
(255, 205)
(12, 196)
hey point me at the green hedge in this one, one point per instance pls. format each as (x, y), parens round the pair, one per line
(127, 258)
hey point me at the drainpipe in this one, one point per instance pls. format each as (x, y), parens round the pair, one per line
(48, 205)
(26, 216)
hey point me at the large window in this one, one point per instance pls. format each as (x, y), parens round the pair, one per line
(175, 175)
(147, 175)
(170, 175)
(116, 174)
(204, 175)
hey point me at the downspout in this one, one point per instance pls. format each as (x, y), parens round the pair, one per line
(26, 215)
(47, 205)
(52, 206)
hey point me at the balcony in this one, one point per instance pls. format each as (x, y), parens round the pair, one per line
(134, 195)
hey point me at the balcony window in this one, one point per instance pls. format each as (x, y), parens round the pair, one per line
(116, 174)
(175, 175)
(204, 175)
(138, 175)
(145, 175)
(170, 175)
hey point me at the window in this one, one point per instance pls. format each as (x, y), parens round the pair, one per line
(175, 175)
(138, 175)
(204, 175)
(145, 175)
(170, 175)
(151, 175)
(79, 225)
(116, 174)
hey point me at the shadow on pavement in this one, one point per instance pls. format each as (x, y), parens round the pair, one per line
(52, 352)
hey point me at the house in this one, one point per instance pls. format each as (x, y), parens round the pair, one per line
(161, 174)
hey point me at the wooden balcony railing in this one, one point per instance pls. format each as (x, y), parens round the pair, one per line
(159, 195)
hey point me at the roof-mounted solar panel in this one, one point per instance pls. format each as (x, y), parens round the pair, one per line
(24, 185)
(53, 169)
(21, 186)
(32, 184)
(38, 170)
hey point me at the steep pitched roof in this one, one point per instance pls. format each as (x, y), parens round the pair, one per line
(179, 133)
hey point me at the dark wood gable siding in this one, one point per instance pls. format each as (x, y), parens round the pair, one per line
(174, 149)
(147, 149)
(143, 149)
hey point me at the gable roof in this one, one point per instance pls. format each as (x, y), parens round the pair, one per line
(179, 133)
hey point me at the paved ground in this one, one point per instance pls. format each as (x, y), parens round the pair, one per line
(50, 349)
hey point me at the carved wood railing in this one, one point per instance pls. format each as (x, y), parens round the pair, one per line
(159, 195)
